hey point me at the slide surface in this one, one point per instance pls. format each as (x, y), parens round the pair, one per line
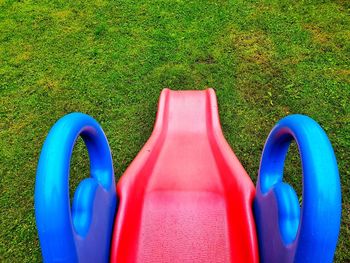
(185, 197)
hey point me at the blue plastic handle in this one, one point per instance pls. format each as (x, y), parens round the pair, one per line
(287, 233)
(83, 233)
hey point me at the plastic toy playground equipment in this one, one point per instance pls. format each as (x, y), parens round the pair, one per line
(186, 197)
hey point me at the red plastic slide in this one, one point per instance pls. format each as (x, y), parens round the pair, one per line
(185, 197)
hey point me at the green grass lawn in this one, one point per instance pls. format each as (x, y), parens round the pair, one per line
(265, 59)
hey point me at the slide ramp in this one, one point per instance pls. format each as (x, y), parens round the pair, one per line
(185, 197)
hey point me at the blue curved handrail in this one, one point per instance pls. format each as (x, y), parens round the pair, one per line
(83, 233)
(287, 233)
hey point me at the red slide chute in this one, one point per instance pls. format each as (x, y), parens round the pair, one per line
(186, 196)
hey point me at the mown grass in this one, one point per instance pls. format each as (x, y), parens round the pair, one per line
(266, 59)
